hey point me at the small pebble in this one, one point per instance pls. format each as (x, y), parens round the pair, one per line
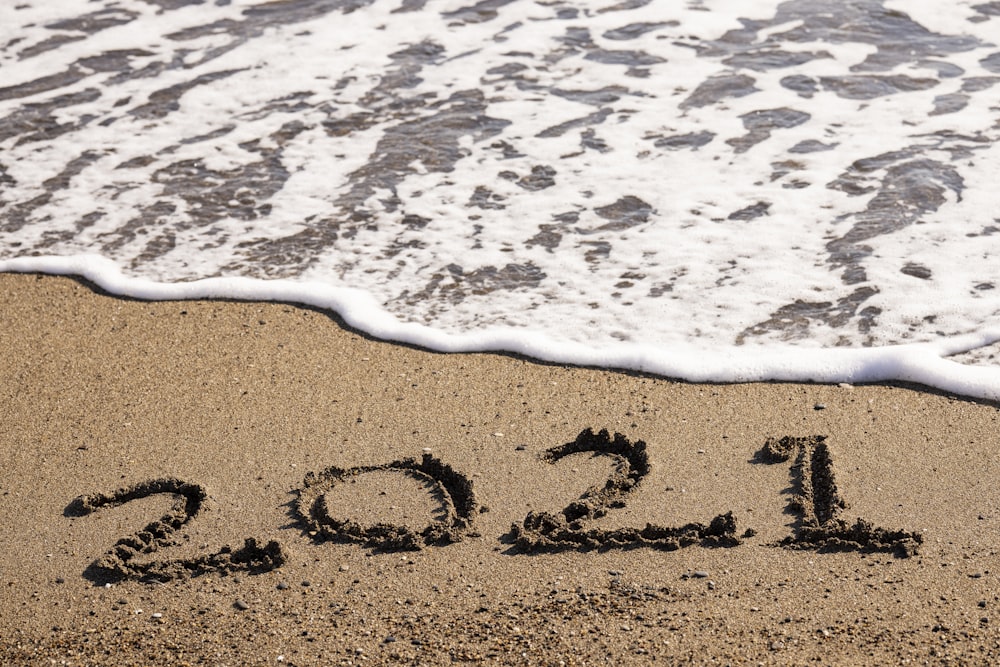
(282, 586)
(241, 605)
(699, 574)
(157, 615)
(390, 639)
(819, 406)
(520, 448)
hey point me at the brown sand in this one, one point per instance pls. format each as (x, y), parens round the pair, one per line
(214, 416)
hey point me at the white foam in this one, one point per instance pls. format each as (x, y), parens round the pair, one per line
(922, 363)
(692, 292)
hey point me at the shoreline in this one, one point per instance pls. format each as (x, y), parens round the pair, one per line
(244, 400)
(923, 364)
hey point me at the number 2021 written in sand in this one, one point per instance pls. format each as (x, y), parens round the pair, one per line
(815, 501)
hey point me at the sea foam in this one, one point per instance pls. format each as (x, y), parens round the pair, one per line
(922, 363)
(715, 191)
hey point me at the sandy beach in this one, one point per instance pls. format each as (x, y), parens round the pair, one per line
(331, 499)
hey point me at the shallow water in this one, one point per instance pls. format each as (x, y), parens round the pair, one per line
(709, 190)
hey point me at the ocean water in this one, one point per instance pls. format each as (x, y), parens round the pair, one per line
(713, 190)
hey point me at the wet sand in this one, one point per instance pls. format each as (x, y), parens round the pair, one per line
(233, 483)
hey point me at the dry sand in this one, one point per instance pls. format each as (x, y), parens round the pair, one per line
(231, 420)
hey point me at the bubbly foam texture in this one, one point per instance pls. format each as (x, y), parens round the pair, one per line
(722, 191)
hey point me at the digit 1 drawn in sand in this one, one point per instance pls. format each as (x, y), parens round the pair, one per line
(817, 503)
(452, 489)
(119, 562)
(543, 531)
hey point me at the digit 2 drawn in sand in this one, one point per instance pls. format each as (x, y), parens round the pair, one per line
(817, 503)
(119, 562)
(567, 530)
(452, 489)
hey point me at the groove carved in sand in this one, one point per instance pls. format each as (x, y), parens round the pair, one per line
(452, 490)
(546, 531)
(817, 503)
(120, 562)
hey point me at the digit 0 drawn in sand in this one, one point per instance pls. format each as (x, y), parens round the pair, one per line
(452, 490)
(816, 501)
(544, 531)
(120, 561)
